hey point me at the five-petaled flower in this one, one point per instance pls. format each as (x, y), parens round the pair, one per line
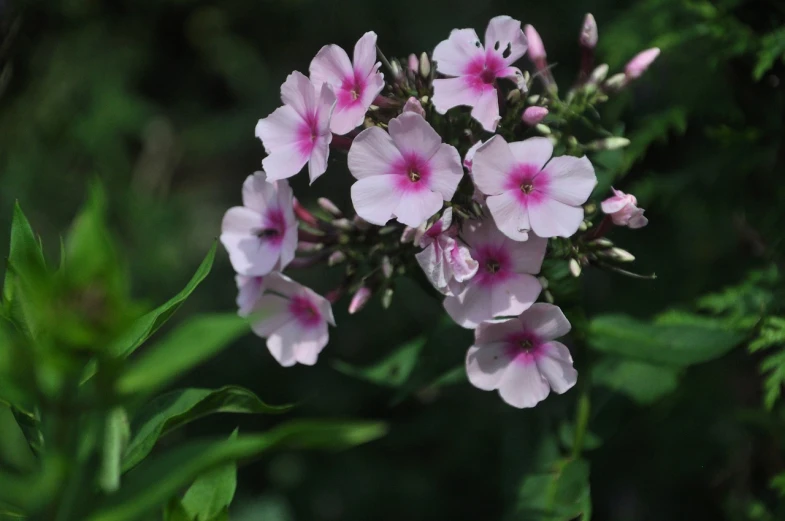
(355, 84)
(476, 68)
(299, 132)
(526, 194)
(520, 358)
(261, 235)
(623, 210)
(446, 262)
(293, 319)
(504, 284)
(406, 174)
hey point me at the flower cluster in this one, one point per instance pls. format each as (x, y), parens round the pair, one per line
(463, 178)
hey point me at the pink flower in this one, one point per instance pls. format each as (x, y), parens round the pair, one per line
(533, 115)
(504, 284)
(468, 159)
(359, 300)
(589, 35)
(414, 105)
(293, 320)
(446, 262)
(299, 132)
(640, 62)
(355, 85)
(261, 235)
(476, 68)
(536, 47)
(526, 194)
(249, 289)
(623, 210)
(520, 358)
(404, 174)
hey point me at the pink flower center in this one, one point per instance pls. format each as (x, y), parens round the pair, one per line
(273, 227)
(352, 89)
(495, 264)
(304, 311)
(529, 183)
(413, 171)
(485, 67)
(523, 347)
(307, 133)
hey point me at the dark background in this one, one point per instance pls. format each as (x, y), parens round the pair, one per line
(158, 99)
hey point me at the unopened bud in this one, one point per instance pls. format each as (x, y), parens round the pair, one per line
(543, 282)
(638, 65)
(589, 36)
(583, 226)
(387, 267)
(387, 298)
(602, 242)
(359, 300)
(424, 100)
(616, 82)
(336, 258)
(536, 48)
(309, 247)
(414, 63)
(575, 268)
(533, 115)
(343, 224)
(397, 70)
(329, 207)
(599, 74)
(514, 96)
(414, 105)
(621, 255)
(610, 143)
(533, 100)
(425, 65)
(361, 223)
(408, 234)
(387, 229)
(548, 296)
(543, 129)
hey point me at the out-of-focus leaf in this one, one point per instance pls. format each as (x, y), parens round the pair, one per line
(116, 435)
(152, 483)
(31, 492)
(211, 494)
(680, 342)
(772, 48)
(175, 511)
(169, 411)
(391, 371)
(641, 381)
(559, 493)
(190, 344)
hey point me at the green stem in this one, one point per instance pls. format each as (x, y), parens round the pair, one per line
(581, 421)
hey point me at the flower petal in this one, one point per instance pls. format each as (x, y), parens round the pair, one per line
(470, 308)
(535, 151)
(454, 55)
(555, 364)
(249, 289)
(280, 129)
(570, 179)
(284, 162)
(486, 364)
(288, 246)
(258, 194)
(375, 198)
(248, 254)
(505, 38)
(331, 65)
(486, 109)
(273, 311)
(454, 92)
(415, 207)
(372, 153)
(491, 165)
(365, 54)
(514, 296)
(496, 331)
(464, 267)
(446, 171)
(551, 218)
(298, 92)
(523, 386)
(413, 135)
(432, 263)
(546, 321)
(317, 164)
(527, 256)
(510, 215)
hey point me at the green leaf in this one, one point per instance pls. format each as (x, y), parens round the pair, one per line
(391, 371)
(155, 481)
(680, 342)
(116, 434)
(559, 493)
(175, 511)
(642, 382)
(212, 493)
(191, 343)
(772, 48)
(169, 411)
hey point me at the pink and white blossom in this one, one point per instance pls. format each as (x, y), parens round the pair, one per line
(355, 84)
(406, 174)
(261, 235)
(623, 210)
(504, 284)
(520, 358)
(475, 68)
(446, 262)
(414, 105)
(293, 319)
(299, 132)
(530, 191)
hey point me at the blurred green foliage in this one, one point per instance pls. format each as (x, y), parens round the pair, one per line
(158, 99)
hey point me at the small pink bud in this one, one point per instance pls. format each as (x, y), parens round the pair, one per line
(359, 300)
(387, 267)
(414, 105)
(414, 63)
(304, 215)
(335, 258)
(309, 247)
(533, 115)
(329, 207)
(536, 48)
(589, 36)
(638, 65)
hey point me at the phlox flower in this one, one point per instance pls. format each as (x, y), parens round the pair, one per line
(519, 357)
(293, 319)
(446, 262)
(413, 105)
(355, 84)
(299, 132)
(249, 289)
(623, 210)
(261, 235)
(527, 192)
(504, 284)
(406, 174)
(476, 68)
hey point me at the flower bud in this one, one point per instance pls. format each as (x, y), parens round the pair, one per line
(621, 255)
(543, 282)
(359, 300)
(543, 129)
(533, 100)
(611, 143)
(336, 258)
(536, 48)
(514, 96)
(602, 242)
(387, 298)
(361, 223)
(343, 224)
(425, 65)
(329, 207)
(414, 105)
(408, 234)
(638, 65)
(588, 37)
(309, 247)
(397, 70)
(533, 115)
(414, 63)
(387, 267)
(575, 268)
(616, 82)
(599, 74)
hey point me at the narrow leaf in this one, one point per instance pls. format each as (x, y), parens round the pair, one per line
(212, 493)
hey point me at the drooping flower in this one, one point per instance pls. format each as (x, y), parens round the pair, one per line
(623, 210)
(406, 174)
(299, 132)
(261, 235)
(504, 284)
(293, 319)
(249, 289)
(355, 84)
(476, 68)
(520, 358)
(640, 62)
(524, 193)
(446, 262)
